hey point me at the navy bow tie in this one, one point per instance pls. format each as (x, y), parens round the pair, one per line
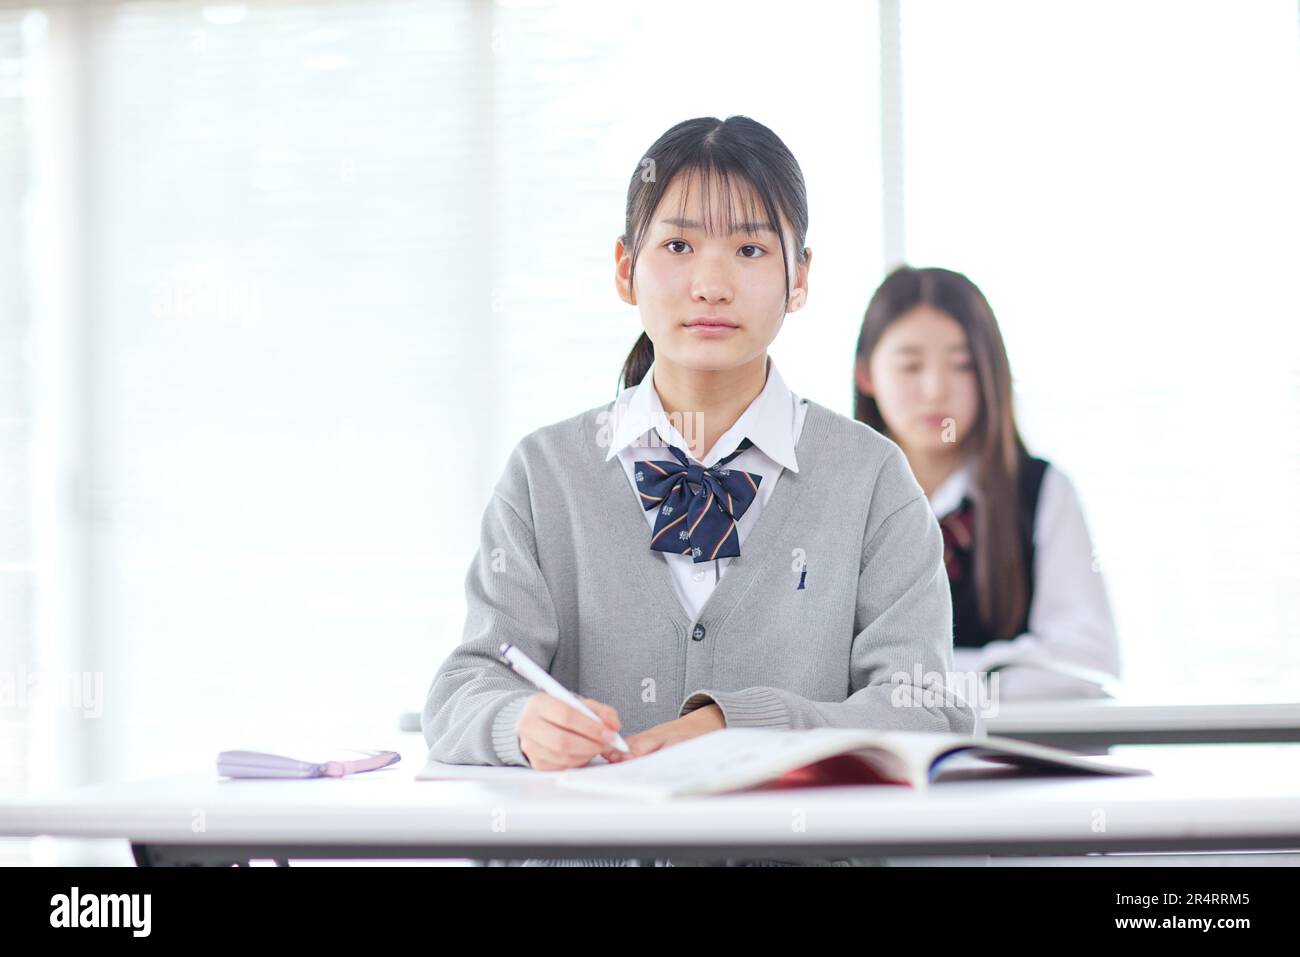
(699, 507)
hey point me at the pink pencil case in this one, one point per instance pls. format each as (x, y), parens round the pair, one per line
(334, 764)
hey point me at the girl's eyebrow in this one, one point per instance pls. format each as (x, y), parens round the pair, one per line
(958, 347)
(736, 227)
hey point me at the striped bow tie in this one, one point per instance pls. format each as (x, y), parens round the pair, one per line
(699, 506)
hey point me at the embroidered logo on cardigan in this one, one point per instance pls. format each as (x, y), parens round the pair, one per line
(800, 565)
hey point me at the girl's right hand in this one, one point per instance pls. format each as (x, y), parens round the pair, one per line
(554, 736)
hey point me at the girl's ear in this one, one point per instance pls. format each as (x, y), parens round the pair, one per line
(862, 377)
(799, 289)
(623, 273)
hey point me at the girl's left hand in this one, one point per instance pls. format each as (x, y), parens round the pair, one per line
(698, 722)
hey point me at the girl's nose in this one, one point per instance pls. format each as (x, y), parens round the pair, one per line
(934, 385)
(712, 283)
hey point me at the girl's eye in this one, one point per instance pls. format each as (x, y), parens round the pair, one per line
(910, 368)
(965, 367)
(757, 249)
(677, 242)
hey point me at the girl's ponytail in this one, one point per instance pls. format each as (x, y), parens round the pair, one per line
(638, 361)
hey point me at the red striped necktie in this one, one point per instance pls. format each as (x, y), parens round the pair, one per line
(958, 528)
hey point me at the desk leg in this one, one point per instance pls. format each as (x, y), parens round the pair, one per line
(150, 855)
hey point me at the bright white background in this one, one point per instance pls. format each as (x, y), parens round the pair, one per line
(282, 284)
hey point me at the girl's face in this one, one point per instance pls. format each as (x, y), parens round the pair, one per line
(711, 302)
(922, 378)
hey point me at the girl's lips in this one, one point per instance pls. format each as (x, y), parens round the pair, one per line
(711, 328)
(936, 420)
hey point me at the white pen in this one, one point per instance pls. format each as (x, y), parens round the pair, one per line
(529, 669)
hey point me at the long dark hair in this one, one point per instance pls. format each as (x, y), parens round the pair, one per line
(993, 441)
(714, 152)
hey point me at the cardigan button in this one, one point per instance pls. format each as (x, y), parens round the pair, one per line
(698, 633)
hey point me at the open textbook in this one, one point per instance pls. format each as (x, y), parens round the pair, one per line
(734, 759)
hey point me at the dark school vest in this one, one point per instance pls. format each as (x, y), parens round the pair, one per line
(968, 631)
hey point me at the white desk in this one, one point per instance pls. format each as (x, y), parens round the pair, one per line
(1094, 725)
(1098, 724)
(1214, 797)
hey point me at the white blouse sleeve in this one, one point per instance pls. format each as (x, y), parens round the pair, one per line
(1071, 648)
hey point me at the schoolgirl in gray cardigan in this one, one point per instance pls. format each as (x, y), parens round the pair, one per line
(833, 608)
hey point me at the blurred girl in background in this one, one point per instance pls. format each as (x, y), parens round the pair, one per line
(932, 374)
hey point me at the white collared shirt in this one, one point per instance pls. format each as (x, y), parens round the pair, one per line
(1071, 626)
(642, 430)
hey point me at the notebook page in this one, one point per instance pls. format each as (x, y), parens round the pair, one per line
(733, 757)
(440, 771)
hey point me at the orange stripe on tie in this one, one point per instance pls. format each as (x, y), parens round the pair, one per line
(666, 527)
(650, 498)
(750, 481)
(718, 547)
(655, 467)
(704, 511)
